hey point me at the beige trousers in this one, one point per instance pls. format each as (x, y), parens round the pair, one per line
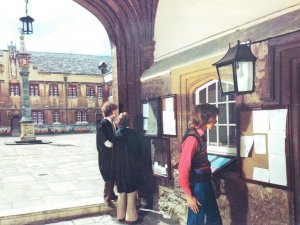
(126, 206)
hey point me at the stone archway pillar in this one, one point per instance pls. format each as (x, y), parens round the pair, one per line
(130, 27)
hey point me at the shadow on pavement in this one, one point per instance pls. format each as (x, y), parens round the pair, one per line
(149, 217)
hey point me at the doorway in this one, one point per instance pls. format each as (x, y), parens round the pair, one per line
(287, 57)
(295, 126)
(15, 126)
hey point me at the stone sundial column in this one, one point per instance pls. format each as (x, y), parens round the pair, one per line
(27, 124)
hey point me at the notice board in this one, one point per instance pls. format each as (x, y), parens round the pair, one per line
(168, 106)
(263, 146)
(151, 117)
(160, 157)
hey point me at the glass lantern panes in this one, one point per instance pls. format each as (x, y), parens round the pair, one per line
(227, 78)
(242, 70)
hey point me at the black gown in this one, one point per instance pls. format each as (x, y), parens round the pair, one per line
(106, 156)
(128, 148)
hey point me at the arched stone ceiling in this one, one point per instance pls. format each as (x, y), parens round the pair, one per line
(130, 27)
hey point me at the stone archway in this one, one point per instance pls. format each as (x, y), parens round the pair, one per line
(130, 27)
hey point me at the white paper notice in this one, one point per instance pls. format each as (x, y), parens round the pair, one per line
(277, 166)
(169, 103)
(146, 110)
(276, 146)
(158, 169)
(278, 119)
(260, 144)
(261, 174)
(246, 143)
(169, 123)
(261, 121)
(276, 143)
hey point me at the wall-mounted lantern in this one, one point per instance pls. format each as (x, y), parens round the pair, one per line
(26, 22)
(103, 67)
(236, 70)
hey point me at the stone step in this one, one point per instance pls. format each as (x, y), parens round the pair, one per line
(43, 216)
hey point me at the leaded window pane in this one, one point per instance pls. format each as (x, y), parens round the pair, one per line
(100, 92)
(212, 93)
(223, 135)
(232, 136)
(14, 90)
(223, 114)
(232, 116)
(37, 117)
(53, 90)
(202, 96)
(220, 97)
(212, 136)
(56, 117)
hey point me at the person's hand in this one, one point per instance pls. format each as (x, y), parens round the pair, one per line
(108, 144)
(193, 203)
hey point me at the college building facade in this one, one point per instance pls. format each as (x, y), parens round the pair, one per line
(66, 91)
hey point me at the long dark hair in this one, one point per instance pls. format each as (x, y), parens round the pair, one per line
(201, 114)
(123, 120)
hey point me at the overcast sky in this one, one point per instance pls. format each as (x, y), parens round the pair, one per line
(59, 26)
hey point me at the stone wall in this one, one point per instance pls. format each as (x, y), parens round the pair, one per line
(240, 202)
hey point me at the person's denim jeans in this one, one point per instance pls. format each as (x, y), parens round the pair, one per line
(209, 213)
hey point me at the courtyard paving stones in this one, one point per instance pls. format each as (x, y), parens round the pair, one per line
(47, 183)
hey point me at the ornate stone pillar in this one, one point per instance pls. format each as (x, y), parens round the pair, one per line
(27, 125)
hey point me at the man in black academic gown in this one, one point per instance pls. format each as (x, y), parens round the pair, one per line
(106, 155)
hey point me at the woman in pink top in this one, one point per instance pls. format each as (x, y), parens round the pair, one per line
(194, 168)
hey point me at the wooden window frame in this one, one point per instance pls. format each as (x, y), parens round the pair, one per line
(90, 91)
(81, 116)
(72, 90)
(53, 90)
(34, 90)
(56, 117)
(15, 89)
(100, 91)
(38, 117)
